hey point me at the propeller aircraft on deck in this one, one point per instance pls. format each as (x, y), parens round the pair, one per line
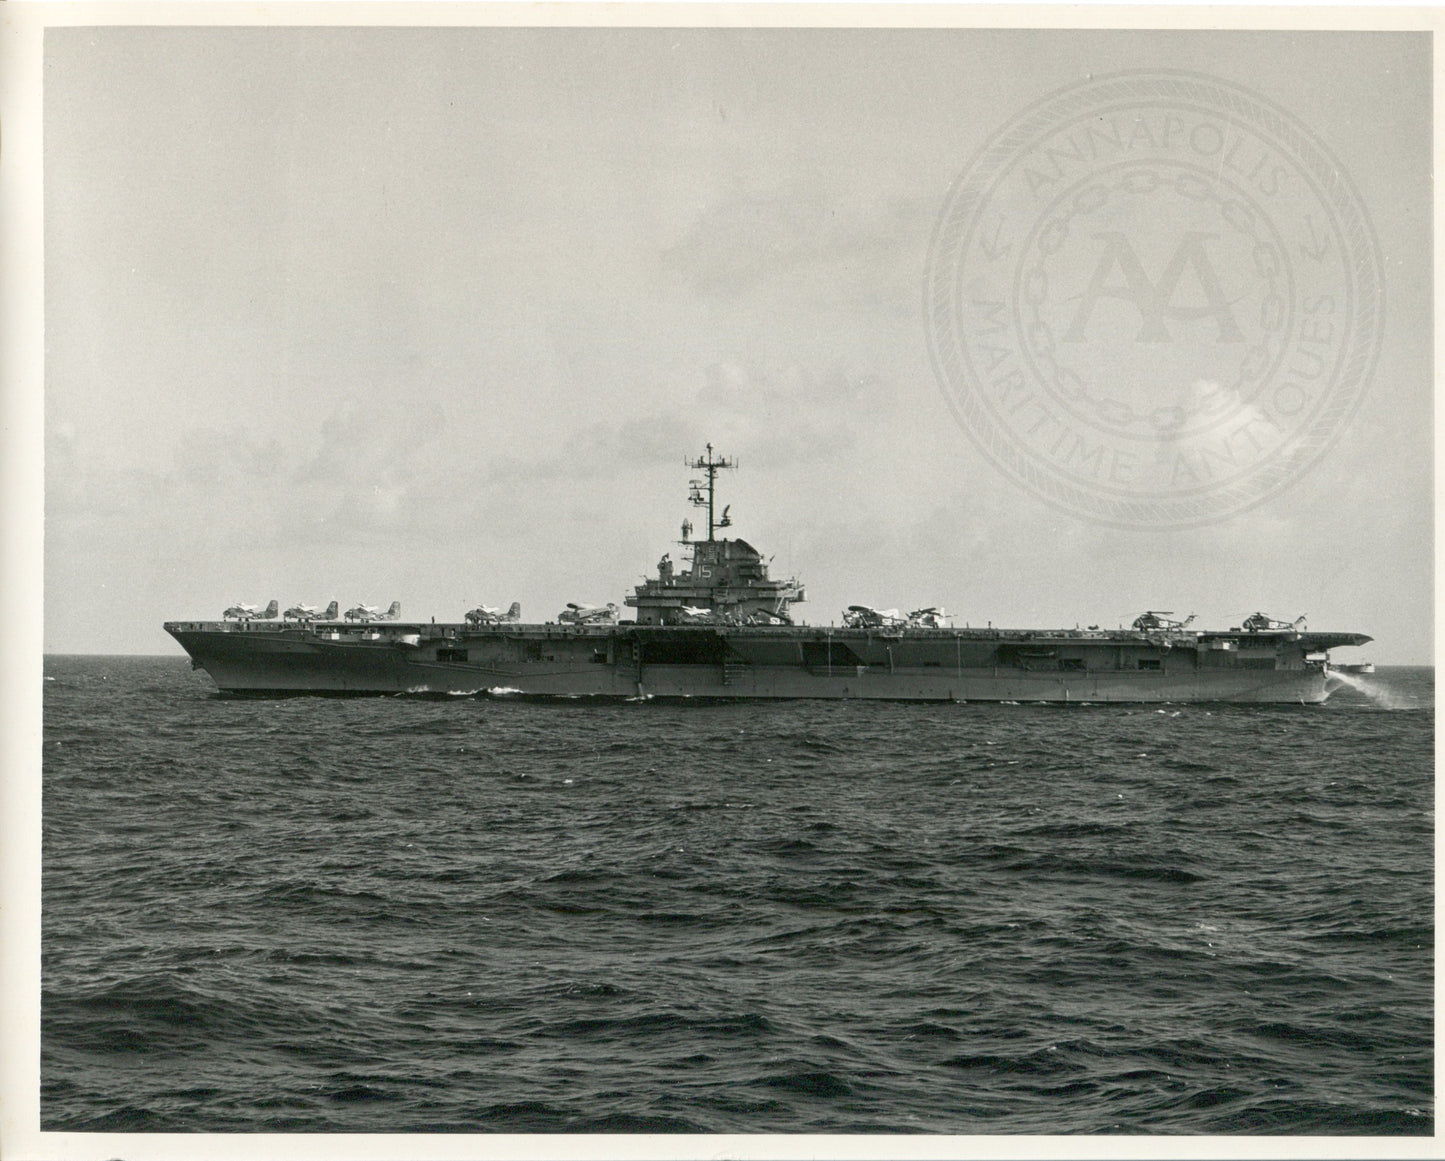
(239, 612)
(371, 613)
(867, 617)
(929, 618)
(488, 615)
(310, 613)
(575, 614)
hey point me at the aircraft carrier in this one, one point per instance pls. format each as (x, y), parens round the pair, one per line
(722, 628)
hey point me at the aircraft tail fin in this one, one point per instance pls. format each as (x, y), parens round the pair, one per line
(330, 614)
(515, 612)
(395, 610)
(270, 610)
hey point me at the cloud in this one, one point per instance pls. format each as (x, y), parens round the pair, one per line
(603, 450)
(868, 250)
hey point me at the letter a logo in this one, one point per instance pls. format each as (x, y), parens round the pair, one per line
(1155, 302)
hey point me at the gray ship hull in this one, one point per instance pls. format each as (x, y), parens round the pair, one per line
(629, 661)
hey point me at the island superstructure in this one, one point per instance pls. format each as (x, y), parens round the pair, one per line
(722, 628)
(727, 583)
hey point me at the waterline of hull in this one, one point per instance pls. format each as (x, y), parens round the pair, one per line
(397, 675)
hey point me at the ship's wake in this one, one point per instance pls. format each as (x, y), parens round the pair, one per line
(1381, 695)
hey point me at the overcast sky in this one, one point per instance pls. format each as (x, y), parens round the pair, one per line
(436, 315)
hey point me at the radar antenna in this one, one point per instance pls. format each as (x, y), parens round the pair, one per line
(701, 492)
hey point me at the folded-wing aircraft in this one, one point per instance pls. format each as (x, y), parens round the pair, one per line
(239, 612)
(768, 617)
(310, 613)
(371, 613)
(929, 618)
(697, 615)
(866, 617)
(491, 615)
(575, 614)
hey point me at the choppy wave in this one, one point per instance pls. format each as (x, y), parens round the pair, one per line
(495, 915)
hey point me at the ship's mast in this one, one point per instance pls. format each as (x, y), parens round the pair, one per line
(711, 466)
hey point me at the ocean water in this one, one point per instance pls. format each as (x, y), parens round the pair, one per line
(464, 915)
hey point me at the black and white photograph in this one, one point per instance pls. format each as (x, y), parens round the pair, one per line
(717, 581)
